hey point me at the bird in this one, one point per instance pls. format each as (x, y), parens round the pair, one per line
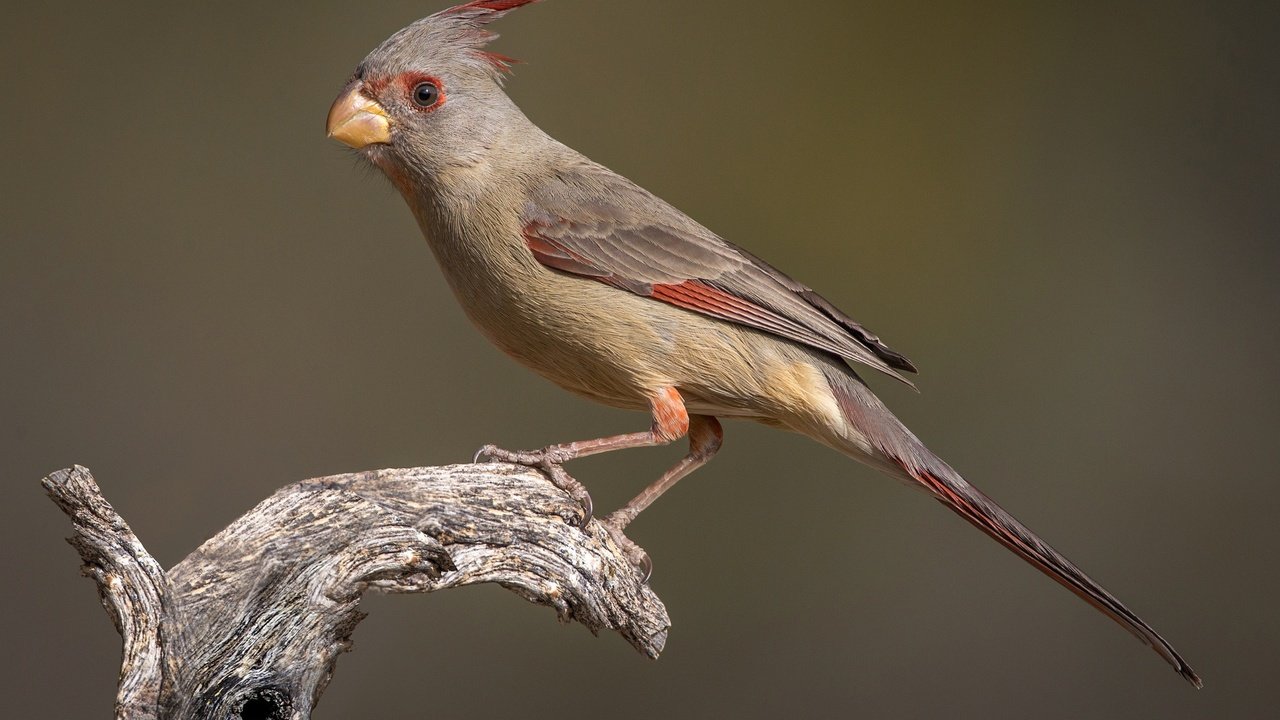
(613, 294)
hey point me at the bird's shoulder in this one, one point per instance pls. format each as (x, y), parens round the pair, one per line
(599, 213)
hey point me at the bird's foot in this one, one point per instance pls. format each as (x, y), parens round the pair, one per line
(550, 461)
(614, 522)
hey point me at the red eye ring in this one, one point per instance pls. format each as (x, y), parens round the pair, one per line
(426, 94)
(424, 91)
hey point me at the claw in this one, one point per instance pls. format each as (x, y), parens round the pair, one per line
(588, 507)
(638, 557)
(646, 567)
(563, 480)
(548, 460)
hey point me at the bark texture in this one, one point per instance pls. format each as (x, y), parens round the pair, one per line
(250, 625)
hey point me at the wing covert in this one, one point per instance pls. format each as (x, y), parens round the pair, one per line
(632, 240)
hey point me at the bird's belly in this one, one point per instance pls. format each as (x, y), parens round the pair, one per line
(587, 338)
(620, 349)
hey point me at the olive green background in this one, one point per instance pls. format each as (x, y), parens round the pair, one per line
(1065, 213)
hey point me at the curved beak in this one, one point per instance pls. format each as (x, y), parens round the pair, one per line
(357, 121)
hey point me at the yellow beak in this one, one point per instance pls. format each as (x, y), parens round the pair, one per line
(357, 121)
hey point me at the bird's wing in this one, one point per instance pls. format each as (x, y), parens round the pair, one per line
(621, 235)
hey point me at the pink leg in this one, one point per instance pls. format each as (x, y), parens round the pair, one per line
(670, 422)
(705, 437)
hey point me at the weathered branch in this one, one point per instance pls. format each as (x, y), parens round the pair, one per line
(255, 618)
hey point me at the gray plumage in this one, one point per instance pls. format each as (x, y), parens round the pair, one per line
(611, 293)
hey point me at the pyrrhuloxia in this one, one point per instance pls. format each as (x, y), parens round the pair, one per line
(612, 293)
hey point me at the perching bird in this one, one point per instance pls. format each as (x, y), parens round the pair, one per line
(613, 294)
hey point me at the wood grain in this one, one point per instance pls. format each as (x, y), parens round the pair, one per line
(251, 624)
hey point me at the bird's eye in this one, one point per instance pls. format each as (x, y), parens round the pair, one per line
(426, 94)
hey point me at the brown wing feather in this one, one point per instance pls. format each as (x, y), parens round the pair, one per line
(672, 259)
(868, 338)
(699, 296)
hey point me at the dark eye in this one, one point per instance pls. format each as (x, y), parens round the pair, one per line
(426, 94)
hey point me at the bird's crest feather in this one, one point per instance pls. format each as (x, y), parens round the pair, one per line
(477, 14)
(484, 11)
(461, 28)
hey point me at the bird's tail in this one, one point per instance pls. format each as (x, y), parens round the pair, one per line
(901, 453)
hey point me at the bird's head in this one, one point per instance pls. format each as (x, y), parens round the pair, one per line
(430, 97)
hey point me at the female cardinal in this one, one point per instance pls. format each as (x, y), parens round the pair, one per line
(611, 293)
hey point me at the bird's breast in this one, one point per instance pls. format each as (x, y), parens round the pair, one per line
(587, 337)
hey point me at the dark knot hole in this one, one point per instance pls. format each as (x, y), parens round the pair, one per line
(265, 704)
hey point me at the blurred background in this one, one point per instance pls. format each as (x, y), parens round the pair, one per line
(1067, 216)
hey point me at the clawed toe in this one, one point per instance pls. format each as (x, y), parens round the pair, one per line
(548, 460)
(563, 480)
(638, 557)
(529, 458)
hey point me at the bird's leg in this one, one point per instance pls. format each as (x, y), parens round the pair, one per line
(670, 423)
(705, 436)
(551, 458)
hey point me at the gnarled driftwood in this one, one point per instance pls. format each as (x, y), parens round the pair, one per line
(252, 622)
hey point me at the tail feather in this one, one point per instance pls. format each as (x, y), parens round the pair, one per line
(868, 416)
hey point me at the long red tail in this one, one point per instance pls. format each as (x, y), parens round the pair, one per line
(869, 416)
